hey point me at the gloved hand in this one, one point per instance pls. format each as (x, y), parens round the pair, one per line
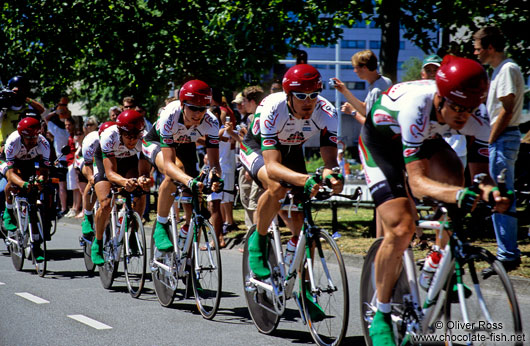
(466, 199)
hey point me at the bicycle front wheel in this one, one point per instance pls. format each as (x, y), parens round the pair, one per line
(40, 267)
(134, 256)
(16, 249)
(87, 253)
(330, 292)
(490, 304)
(206, 271)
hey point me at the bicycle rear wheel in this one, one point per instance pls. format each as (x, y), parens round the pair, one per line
(87, 253)
(331, 292)
(107, 272)
(16, 250)
(206, 271)
(134, 256)
(368, 295)
(492, 306)
(162, 279)
(265, 320)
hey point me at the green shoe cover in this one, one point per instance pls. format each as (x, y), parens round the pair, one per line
(37, 252)
(381, 330)
(97, 252)
(315, 310)
(162, 241)
(257, 255)
(86, 226)
(9, 218)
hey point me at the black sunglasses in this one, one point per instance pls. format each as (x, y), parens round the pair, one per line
(458, 108)
(196, 108)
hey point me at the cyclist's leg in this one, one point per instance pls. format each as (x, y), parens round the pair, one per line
(9, 213)
(87, 226)
(102, 188)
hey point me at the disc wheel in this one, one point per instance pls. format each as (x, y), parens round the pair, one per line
(87, 253)
(109, 269)
(134, 256)
(162, 279)
(206, 271)
(265, 320)
(17, 251)
(331, 292)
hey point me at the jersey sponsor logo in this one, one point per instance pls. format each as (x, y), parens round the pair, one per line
(297, 137)
(168, 125)
(269, 142)
(410, 152)
(484, 152)
(271, 121)
(255, 128)
(214, 141)
(167, 140)
(211, 121)
(10, 163)
(306, 128)
(417, 128)
(334, 139)
(183, 139)
(47, 163)
(383, 118)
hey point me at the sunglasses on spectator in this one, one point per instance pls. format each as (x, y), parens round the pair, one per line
(90, 124)
(128, 107)
(458, 108)
(196, 108)
(304, 96)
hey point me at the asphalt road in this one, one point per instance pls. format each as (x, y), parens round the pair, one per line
(68, 307)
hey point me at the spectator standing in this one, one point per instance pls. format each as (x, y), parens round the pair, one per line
(71, 175)
(504, 105)
(114, 111)
(55, 121)
(365, 65)
(249, 190)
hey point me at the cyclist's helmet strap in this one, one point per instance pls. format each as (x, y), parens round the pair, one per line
(28, 127)
(130, 121)
(196, 93)
(463, 81)
(302, 78)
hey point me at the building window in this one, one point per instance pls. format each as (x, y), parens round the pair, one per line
(360, 44)
(400, 65)
(401, 45)
(346, 67)
(375, 44)
(320, 67)
(355, 85)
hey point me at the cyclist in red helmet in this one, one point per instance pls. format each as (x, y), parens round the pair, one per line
(118, 160)
(88, 149)
(170, 146)
(272, 151)
(403, 132)
(22, 150)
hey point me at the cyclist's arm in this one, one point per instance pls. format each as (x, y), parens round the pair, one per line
(213, 158)
(14, 178)
(88, 172)
(111, 171)
(329, 155)
(277, 171)
(170, 167)
(421, 185)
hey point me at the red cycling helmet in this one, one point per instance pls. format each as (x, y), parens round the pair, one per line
(105, 126)
(196, 93)
(302, 78)
(463, 81)
(29, 127)
(130, 121)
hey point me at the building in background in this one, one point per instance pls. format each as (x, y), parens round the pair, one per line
(354, 39)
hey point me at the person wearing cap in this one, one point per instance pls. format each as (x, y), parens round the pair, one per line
(170, 147)
(504, 105)
(23, 148)
(365, 65)
(119, 160)
(402, 134)
(429, 67)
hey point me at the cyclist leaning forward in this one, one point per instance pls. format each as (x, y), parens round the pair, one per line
(119, 160)
(23, 149)
(272, 152)
(88, 148)
(402, 136)
(170, 146)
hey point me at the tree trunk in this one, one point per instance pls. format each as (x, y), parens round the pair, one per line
(389, 18)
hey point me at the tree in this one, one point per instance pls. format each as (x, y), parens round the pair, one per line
(117, 48)
(412, 69)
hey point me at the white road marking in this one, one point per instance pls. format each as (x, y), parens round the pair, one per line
(1, 283)
(32, 298)
(89, 322)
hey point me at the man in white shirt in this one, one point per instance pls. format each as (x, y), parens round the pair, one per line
(504, 105)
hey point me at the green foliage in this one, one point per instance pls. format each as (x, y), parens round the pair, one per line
(412, 69)
(314, 163)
